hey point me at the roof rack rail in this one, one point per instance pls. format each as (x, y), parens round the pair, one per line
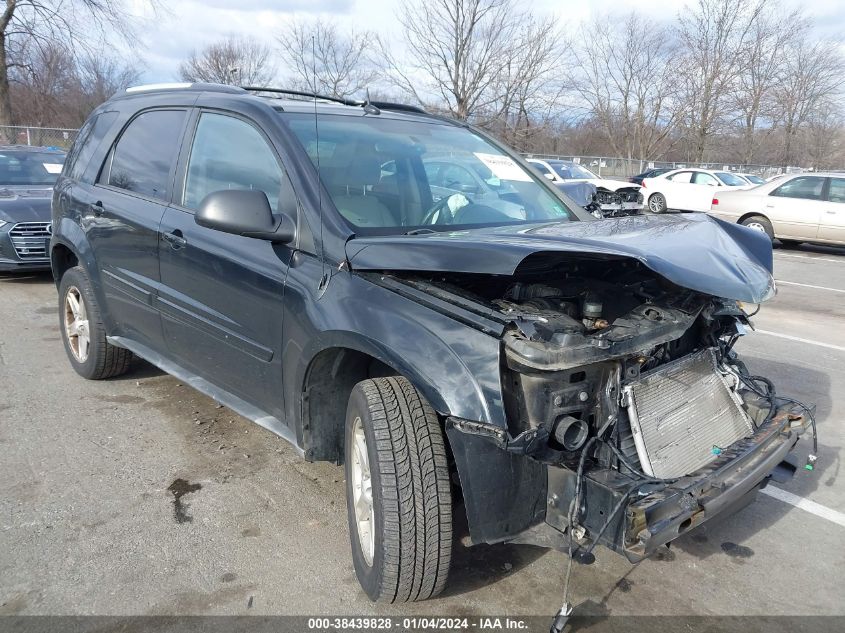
(398, 107)
(182, 85)
(302, 93)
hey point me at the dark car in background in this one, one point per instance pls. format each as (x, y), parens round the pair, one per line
(649, 173)
(27, 176)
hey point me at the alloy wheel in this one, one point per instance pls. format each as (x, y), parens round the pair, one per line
(362, 492)
(76, 324)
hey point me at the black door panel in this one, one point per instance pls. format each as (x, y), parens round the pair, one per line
(220, 302)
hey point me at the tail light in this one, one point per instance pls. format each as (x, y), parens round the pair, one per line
(642, 184)
(715, 201)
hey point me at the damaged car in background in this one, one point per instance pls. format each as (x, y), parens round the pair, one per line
(608, 198)
(493, 351)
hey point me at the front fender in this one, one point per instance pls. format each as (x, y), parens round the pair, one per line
(454, 367)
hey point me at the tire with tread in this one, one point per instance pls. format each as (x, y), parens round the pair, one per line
(657, 203)
(104, 359)
(411, 492)
(759, 223)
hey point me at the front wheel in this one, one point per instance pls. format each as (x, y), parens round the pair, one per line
(657, 203)
(398, 495)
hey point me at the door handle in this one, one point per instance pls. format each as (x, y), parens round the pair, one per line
(97, 208)
(831, 212)
(175, 239)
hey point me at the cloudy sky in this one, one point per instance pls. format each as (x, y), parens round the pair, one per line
(186, 25)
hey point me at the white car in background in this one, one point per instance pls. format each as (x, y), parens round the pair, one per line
(611, 195)
(795, 208)
(753, 179)
(687, 189)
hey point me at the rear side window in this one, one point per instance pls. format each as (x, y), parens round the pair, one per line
(804, 187)
(86, 143)
(145, 152)
(837, 190)
(229, 153)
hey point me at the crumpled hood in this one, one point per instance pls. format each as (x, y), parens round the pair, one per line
(25, 204)
(695, 251)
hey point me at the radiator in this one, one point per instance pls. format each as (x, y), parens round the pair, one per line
(680, 412)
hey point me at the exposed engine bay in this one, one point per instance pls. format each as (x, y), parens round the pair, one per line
(625, 385)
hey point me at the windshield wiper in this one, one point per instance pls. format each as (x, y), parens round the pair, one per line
(420, 231)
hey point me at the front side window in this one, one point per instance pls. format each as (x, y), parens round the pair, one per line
(701, 178)
(731, 180)
(145, 153)
(542, 169)
(229, 153)
(837, 190)
(352, 151)
(24, 167)
(805, 187)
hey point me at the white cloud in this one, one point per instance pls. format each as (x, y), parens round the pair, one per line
(186, 25)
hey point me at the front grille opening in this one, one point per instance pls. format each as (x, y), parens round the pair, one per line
(30, 240)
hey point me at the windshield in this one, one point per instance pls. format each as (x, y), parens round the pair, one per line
(755, 179)
(730, 179)
(572, 171)
(30, 168)
(394, 176)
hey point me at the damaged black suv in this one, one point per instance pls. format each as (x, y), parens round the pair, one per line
(562, 381)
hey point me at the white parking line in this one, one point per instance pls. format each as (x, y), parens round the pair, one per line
(839, 348)
(805, 504)
(795, 283)
(817, 259)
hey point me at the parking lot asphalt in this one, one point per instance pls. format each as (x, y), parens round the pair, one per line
(141, 496)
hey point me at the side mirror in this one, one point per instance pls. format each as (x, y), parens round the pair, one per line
(244, 212)
(549, 176)
(467, 188)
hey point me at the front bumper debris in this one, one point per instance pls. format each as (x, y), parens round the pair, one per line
(659, 513)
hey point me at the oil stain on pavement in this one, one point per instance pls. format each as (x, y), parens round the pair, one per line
(180, 488)
(737, 551)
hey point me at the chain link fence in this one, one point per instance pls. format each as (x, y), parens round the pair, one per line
(40, 136)
(605, 166)
(609, 167)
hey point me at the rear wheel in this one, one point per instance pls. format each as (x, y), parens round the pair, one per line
(657, 203)
(759, 223)
(83, 334)
(398, 494)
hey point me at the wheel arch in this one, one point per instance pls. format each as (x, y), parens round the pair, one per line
(342, 361)
(752, 214)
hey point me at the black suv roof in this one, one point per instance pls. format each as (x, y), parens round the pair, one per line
(283, 99)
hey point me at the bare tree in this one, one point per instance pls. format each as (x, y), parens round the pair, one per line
(233, 60)
(713, 36)
(825, 136)
(325, 60)
(762, 70)
(625, 74)
(528, 87)
(456, 49)
(78, 25)
(52, 87)
(813, 76)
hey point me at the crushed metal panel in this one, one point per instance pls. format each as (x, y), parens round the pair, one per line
(680, 411)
